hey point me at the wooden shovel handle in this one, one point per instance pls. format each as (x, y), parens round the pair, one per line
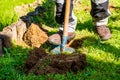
(66, 18)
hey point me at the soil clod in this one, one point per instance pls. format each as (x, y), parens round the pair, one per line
(40, 62)
(35, 36)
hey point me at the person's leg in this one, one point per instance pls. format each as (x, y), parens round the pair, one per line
(100, 14)
(60, 12)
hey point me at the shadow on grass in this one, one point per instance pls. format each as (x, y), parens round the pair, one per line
(86, 25)
(112, 20)
(115, 28)
(48, 16)
(109, 48)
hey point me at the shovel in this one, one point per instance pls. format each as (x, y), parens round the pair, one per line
(62, 48)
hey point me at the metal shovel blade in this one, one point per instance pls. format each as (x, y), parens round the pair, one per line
(57, 50)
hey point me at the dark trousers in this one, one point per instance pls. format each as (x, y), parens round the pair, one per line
(98, 12)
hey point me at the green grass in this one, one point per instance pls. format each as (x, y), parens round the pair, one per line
(103, 56)
(7, 13)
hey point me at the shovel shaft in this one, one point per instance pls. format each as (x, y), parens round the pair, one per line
(66, 18)
(64, 41)
(66, 21)
(62, 48)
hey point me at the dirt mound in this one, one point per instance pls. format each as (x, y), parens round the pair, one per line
(39, 62)
(75, 43)
(35, 36)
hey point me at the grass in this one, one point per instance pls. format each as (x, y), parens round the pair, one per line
(7, 13)
(103, 56)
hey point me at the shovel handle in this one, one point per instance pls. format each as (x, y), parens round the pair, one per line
(66, 18)
(66, 21)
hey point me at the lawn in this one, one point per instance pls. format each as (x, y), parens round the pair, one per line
(7, 13)
(103, 56)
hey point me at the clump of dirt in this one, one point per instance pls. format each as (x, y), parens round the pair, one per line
(76, 43)
(35, 36)
(40, 62)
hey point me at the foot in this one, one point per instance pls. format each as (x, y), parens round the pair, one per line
(56, 39)
(103, 32)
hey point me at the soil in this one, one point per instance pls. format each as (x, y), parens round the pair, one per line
(75, 43)
(39, 62)
(35, 36)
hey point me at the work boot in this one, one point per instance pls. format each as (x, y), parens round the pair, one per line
(56, 39)
(104, 32)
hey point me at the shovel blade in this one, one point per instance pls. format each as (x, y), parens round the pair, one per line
(57, 50)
